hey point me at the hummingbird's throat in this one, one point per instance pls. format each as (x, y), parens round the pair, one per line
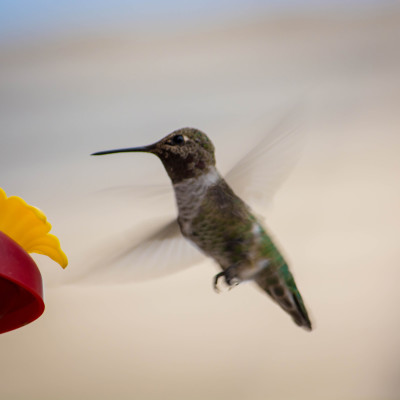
(180, 169)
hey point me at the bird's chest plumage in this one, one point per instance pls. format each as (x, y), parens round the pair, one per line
(213, 217)
(190, 195)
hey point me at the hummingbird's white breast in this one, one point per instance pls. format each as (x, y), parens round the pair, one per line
(189, 195)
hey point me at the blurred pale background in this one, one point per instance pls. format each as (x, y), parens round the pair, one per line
(80, 77)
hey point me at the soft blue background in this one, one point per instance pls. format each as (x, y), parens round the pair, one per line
(20, 19)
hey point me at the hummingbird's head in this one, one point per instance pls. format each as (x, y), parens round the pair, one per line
(185, 153)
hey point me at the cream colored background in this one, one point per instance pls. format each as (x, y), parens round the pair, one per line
(337, 216)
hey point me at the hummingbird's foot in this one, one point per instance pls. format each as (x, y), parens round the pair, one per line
(216, 279)
(230, 276)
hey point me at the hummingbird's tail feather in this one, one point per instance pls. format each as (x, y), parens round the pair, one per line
(280, 285)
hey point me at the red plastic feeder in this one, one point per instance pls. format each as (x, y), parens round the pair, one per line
(21, 287)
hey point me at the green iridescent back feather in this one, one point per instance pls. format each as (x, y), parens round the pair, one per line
(278, 282)
(224, 227)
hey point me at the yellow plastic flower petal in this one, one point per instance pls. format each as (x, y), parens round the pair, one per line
(28, 226)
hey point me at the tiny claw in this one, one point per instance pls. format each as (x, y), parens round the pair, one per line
(230, 279)
(216, 279)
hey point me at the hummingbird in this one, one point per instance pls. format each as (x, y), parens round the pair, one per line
(219, 223)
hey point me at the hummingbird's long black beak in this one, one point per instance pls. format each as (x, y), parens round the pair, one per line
(143, 149)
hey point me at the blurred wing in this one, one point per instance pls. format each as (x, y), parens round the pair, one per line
(257, 176)
(147, 191)
(157, 194)
(163, 252)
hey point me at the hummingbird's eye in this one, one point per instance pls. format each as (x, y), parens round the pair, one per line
(177, 140)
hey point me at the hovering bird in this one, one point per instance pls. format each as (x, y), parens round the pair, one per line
(218, 222)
